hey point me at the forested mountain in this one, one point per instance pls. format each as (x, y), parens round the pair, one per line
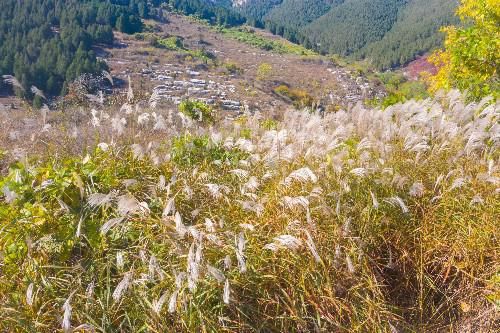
(415, 32)
(387, 32)
(353, 24)
(298, 13)
(48, 43)
(215, 11)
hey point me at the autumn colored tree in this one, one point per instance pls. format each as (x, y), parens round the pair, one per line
(470, 59)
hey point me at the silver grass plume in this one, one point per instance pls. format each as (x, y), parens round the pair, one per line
(97, 200)
(295, 202)
(240, 248)
(302, 175)
(375, 203)
(30, 294)
(108, 76)
(209, 225)
(215, 273)
(38, 92)
(350, 265)
(169, 209)
(172, 302)
(158, 304)
(127, 204)
(312, 246)
(110, 224)
(417, 190)
(397, 201)
(9, 79)
(122, 287)
(284, 241)
(130, 92)
(227, 292)
(66, 323)
(180, 228)
(119, 260)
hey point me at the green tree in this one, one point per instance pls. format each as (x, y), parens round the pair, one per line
(470, 59)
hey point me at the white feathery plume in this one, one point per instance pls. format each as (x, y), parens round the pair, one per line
(30, 294)
(312, 246)
(10, 196)
(214, 190)
(137, 151)
(374, 200)
(212, 238)
(89, 291)
(295, 202)
(284, 241)
(66, 323)
(240, 173)
(127, 204)
(130, 91)
(127, 108)
(417, 190)
(118, 125)
(119, 260)
(44, 111)
(98, 199)
(227, 292)
(94, 99)
(458, 183)
(103, 146)
(302, 175)
(252, 206)
(247, 226)
(9, 79)
(288, 241)
(397, 201)
(169, 209)
(160, 124)
(156, 305)
(108, 76)
(192, 267)
(143, 119)
(110, 224)
(154, 99)
(227, 262)
(359, 172)
(172, 302)
(179, 279)
(180, 228)
(477, 200)
(122, 287)
(252, 184)
(209, 225)
(215, 273)
(95, 121)
(154, 267)
(350, 265)
(240, 248)
(37, 92)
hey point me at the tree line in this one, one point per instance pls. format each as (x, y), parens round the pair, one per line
(48, 43)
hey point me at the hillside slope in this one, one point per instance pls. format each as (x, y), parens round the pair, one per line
(389, 33)
(415, 32)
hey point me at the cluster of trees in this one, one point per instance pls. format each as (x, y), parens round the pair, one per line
(389, 33)
(415, 32)
(48, 43)
(217, 12)
(470, 59)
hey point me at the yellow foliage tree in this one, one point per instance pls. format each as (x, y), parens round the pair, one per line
(470, 59)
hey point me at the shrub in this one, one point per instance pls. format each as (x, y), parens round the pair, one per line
(197, 110)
